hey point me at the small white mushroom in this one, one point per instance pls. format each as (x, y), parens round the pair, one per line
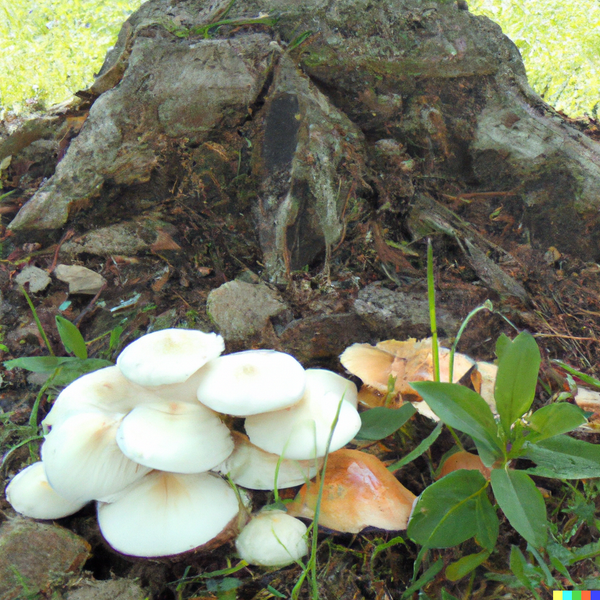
(272, 539)
(253, 468)
(83, 461)
(167, 513)
(30, 494)
(301, 431)
(168, 356)
(175, 436)
(251, 382)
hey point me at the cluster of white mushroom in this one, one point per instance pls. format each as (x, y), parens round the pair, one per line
(144, 439)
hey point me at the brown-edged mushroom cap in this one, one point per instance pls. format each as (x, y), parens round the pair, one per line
(168, 356)
(358, 492)
(251, 382)
(168, 513)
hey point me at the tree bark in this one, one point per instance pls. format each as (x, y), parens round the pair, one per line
(315, 116)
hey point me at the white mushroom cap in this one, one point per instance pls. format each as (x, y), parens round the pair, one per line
(251, 382)
(168, 513)
(30, 494)
(168, 356)
(175, 436)
(253, 468)
(105, 390)
(272, 539)
(299, 431)
(82, 459)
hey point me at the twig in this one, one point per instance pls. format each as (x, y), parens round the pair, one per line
(89, 307)
(67, 236)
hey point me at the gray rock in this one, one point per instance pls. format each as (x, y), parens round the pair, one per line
(114, 589)
(323, 337)
(33, 554)
(241, 310)
(127, 238)
(81, 280)
(399, 314)
(37, 279)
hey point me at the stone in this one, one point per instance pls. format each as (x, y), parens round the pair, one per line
(37, 279)
(241, 310)
(127, 238)
(323, 337)
(396, 314)
(33, 555)
(113, 589)
(81, 280)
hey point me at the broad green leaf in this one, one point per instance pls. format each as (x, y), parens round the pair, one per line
(71, 337)
(518, 564)
(378, 423)
(488, 525)
(420, 449)
(73, 370)
(38, 364)
(516, 379)
(445, 513)
(502, 343)
(564, 457)
(554, 419)
(465, 410)
(463, 566)
(522, 503)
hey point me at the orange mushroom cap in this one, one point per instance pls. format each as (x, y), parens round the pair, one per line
(358, 492)
(464, 460)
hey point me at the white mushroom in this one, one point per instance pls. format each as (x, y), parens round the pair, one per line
(272, 539)
(251, 382)
(301, 431)
(253, 468)
(82, 459)
(168, 513)
(105, 390)
(168, 356)
(30, 494)
(175, 436)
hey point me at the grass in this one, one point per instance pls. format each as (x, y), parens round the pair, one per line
(560, 45)
(51, 48)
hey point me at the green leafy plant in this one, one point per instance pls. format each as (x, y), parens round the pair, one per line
(466, 511)
(61, 371)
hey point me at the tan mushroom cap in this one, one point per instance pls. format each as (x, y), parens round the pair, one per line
(358, 492)
(463, 460)
(406, 361)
